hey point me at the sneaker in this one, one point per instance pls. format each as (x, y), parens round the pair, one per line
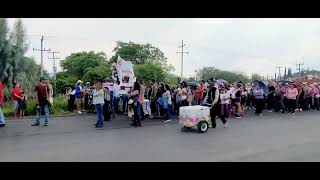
(225, 125)
(293, 113)
(79, 112)
(270, 111)
(237, 116)
(45, 125)
(35, 124)
(167, 120)
(210, 126)
(300, 109)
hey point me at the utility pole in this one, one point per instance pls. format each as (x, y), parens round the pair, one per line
(299, 67)
(54, 68)
(182, 52)
(54, 62)
(41, 50)
(279, 75)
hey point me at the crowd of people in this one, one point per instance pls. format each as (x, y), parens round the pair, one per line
(161, 100)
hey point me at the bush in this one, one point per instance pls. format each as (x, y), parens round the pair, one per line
(7, 110)
(60, 105)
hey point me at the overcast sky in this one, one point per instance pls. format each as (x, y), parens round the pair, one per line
(247, 45)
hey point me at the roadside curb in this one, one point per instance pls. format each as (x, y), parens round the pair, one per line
(51, 115)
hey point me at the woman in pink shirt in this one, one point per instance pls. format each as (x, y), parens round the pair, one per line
(314, 94)
(292, 94)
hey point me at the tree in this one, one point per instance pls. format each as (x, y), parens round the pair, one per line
(77, 63)
(148, 71)
(289, 73)
(211, 72)
(255, 76)
(138, 53)
(29, 75)
(6, 68)
(171, 79)
(97, 73)
(19, 47)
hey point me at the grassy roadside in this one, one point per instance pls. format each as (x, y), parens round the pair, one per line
(60, 106)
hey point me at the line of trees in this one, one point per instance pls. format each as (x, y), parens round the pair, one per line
(14, 65)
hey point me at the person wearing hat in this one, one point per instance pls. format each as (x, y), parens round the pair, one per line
(42, 100)
(78, 95)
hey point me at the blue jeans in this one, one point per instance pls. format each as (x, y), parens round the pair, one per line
(124, 99)
(2, 121)
(136, 111)
(111, 103)
(168, 112)
(99, 108)
(115, 104)
(45, 108)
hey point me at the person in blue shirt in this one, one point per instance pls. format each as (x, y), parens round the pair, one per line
(78, 96)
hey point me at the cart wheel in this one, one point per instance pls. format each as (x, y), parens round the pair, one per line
(203, 126)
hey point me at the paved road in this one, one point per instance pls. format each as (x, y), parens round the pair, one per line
(273, 137)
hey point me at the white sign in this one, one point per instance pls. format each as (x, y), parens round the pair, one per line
(125, 72)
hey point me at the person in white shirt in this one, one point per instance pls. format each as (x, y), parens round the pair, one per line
(116, 98)
(98, 101)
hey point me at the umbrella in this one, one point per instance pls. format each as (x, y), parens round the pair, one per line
(192, 85)
(222, 80)
(262, 85)
(219, 83)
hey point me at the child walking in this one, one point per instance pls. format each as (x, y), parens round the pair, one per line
(22, 104)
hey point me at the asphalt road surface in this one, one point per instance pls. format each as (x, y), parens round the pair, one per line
(272, 137)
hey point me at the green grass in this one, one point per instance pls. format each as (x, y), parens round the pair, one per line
(60, 105)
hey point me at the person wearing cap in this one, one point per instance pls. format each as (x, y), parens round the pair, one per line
(42, 101)
(2, 121)
(78, 95)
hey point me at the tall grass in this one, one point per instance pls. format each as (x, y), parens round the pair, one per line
(60, 105)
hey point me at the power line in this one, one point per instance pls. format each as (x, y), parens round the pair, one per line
(182, 52)
(54, 68)
(54, 61)
(41, 50)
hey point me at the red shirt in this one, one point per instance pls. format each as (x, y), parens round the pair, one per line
(1, 93)
(18, 92)
(41, 92)
(199, 92)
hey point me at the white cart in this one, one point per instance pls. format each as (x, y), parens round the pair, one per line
(194, 117)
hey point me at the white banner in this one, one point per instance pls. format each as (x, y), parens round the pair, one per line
(125, 72)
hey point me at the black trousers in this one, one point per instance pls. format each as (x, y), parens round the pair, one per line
(279, 104)
(214, 111)
(292, 105)
(106, 111)
(259, 106)
(153, 107)
(270, 102)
